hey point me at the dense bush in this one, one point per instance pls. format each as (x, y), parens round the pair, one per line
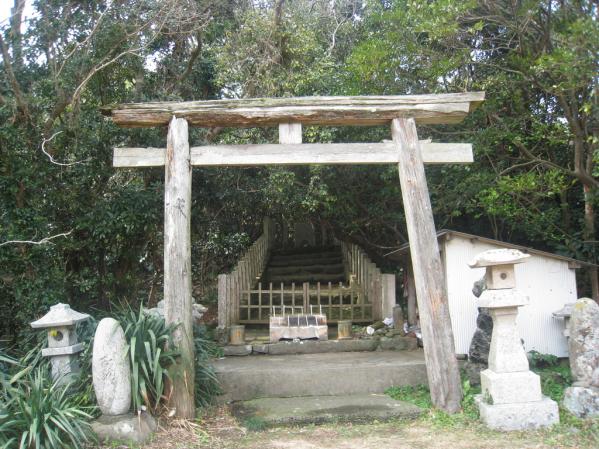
(206, 382)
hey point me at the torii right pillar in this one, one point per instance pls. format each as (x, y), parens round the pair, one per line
(435, 323)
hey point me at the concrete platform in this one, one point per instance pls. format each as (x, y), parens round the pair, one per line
(325, 374)
(324, 409)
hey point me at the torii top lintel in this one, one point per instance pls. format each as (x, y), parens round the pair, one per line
(362, 110)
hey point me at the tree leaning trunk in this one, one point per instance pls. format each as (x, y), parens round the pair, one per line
(435, 323)
(177, 266)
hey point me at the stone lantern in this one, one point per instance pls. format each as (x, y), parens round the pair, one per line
(62, 340)
(511, 396)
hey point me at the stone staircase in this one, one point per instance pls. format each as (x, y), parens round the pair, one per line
(319, 388)
(319, 264)
(320, 374)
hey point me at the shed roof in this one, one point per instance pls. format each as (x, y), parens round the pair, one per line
(403, 251)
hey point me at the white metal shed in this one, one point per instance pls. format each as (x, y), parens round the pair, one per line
(549, 280)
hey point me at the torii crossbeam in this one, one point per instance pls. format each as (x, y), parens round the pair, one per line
(402, 113)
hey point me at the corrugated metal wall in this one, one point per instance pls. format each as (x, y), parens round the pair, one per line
(549, 284)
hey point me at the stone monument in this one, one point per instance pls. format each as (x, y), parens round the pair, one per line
(582, 398)
(511, 396)
(111, 375)
(304, 235)
(62, 341)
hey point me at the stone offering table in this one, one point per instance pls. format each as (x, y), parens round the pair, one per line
(112, 384)
(511, 396)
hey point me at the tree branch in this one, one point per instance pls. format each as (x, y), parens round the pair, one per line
(14, 84)
(37, 242)
(45, 141)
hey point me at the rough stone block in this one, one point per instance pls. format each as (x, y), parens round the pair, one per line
(508, 388)
(521, 416)
(237, 350)
(129, 428)
(582, 402)
(398, 343)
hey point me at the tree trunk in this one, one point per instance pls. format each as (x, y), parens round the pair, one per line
(589, 235)
(177, 266)
(435, 323)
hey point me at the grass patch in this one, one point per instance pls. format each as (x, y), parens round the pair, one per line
(418, 395)
(255, 424)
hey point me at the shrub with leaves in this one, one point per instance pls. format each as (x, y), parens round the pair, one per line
(37, 413)
(149, 339)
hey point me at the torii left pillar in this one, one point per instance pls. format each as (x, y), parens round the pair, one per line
(177, 266)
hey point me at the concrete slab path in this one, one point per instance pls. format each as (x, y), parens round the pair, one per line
(323, 409)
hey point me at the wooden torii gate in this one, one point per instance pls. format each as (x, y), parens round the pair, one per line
(402, 113)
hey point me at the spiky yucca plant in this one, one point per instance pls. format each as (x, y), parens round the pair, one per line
(206, 382)
(149, 339)
(38, 413)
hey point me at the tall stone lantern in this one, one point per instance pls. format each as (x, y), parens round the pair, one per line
(62, 340)
(511, 396)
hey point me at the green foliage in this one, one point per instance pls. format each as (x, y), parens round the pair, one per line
(418, 395)
(555, 376)
(538, 360)
(34, 412)
(149, 341)
(206, 382)
(255, 424)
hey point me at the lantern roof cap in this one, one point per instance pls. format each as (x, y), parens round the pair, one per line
(59, 315)
(502, 256)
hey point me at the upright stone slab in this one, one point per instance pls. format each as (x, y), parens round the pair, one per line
(111, 376)
(110, 368)
(511, 396)
(582, 398)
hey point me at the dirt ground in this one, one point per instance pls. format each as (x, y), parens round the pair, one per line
(221, 431)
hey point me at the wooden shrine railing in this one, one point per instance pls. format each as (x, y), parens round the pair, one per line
(336, 301)
(378, 288)
(243, 277)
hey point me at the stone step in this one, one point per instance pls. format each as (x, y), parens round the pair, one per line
(333, 268)
(328, 260)
(356, 408)
(299, 279)
(251, 377)
(307, 251)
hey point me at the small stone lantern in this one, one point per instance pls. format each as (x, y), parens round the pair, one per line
(565, 313)
(62, 340)
(511, 396)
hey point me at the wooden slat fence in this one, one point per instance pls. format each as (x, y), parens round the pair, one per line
(360, 270)
(336, 301)
(243, 277)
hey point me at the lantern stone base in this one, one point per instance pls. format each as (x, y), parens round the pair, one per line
(129, 428)
(518, 416)
(510, 388)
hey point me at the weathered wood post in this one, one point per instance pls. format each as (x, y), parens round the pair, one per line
(435, 322)
(411, 295)
(177, 265)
